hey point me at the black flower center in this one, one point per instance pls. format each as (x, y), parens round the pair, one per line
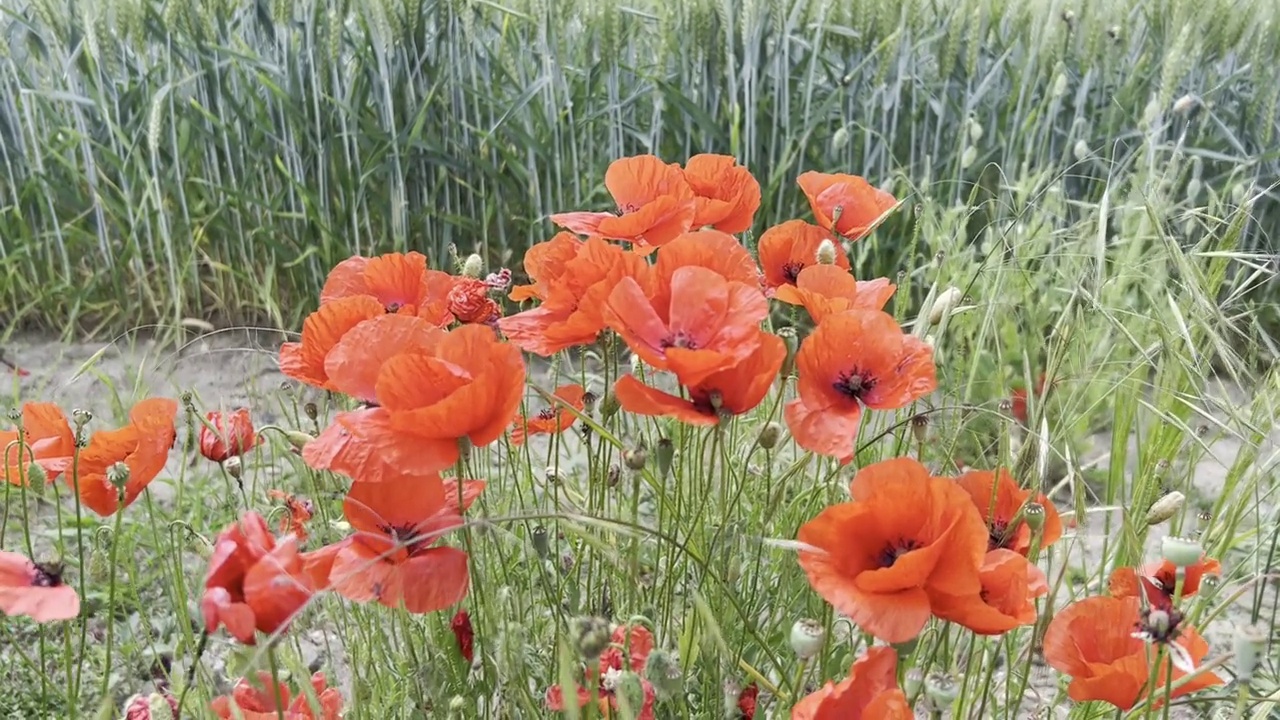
(854, 383)
(1160, 625)
(894, 550)
(406, 535)
(47, 575)
(679, 340)
(998, 535)
(547, 414)
(393, 307)
(791, 271)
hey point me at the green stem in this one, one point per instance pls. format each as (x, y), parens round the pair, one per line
(111, 592)
(275, 681)
(191, 673)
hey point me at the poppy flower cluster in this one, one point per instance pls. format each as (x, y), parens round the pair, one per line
(628, 652)
(264, 699)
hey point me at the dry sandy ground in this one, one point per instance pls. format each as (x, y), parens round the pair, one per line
(236, 368)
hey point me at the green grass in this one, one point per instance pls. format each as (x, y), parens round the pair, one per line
(171, 160)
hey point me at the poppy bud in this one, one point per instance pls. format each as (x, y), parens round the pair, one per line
(1081, 150)
(628, 690)
(636, 458)
(609, 406)
(233, 467)
(969, 157)
(976, 130)
(1033, 516)
(464, 634)
(311, 410)
(227, 435)
(807, 637)
(118, 475)
(663, 671)
(1182, 552)
(826, 254)
(1185, 104)
(732, 690)
(1165, 508)
(769, 436)
(1203, 519)
(1250, 640)
(591, 635)
(473, 267)
(946, 301)
(541, 542)
(37, 478)
(920, 427)
(665, 456)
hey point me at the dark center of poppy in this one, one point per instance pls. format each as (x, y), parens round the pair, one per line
(894, 550)
(854, 383)
(547, 414)
(393, 307)
(406, 535)
(791, 271)
(679, 340)
(1160, 625)
(998, 535)
(624, 209)
(47, 575)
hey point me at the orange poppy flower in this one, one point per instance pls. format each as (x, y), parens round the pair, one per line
(788, 248)
(870, 692)
(338, 449)
(46, 435)
(35, 590)
(710, 249)
(353, 364)
(552, 420)
(905, 538)
(728, 196)
(1157, 582)
(846, 204)
(400, 282)
(655, 204)
(391, 557)
(234, 435)
(261, 701)
(854, 359)
(1010, 585)
(1094, 642)
(732, 391)
(572, 279)
(709, 324)
(142, 446)
(826, 290)
(254, 581)
(322, 330)
(300, 511)
(1000, 501)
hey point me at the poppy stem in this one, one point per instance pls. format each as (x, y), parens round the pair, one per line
(275, 681)
(111, 591)
(191, 673)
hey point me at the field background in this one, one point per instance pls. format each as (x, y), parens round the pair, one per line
(166, 160)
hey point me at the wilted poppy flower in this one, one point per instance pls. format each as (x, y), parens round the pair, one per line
(1094, 641)
(469, 301)
(400, 282)
(655, 204)
(46, 435)
(136, 452)
(392, 557)
(709, 325)
(1157, 582)
(572, 278)
(1000, 501)
(628, 651)
(266, 700)
(254, 581)
(847, 204)
(826, 290)
(305, 361)
(728, 196)
(904, 538)
(35, 590)
(733, 391)
(789, 248)
(552, 420)
(854, 359)
(464, 634)
(869, 693)
(299, 512)
(1010, 585)
(232, 435)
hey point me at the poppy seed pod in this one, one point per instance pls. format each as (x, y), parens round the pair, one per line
(769, 436)
(474, 266)
(920, 427)
(233, 466)
(118, 475)
(590, 635)
(1165, 508)
(807, 637)
(1182, 552)
(946, 301)
(1033, 514)
(941, 690)
(666, 456)
(1250, 640)
(311, 410)
(636, 458)
(541, 542)
(81, 417)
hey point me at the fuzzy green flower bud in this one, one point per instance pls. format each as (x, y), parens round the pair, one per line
(37, 479)
(636, 458)
(769, 436)
(297, 438)
(1182, 552)
(663, 671)
(1165, 508)
(665, 455)
(590, 635)
(473, 267)
(826, 254)
(609, 406)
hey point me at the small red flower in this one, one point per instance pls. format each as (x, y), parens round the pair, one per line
(469, 301)
(234, 435)
(254, 582)
(35, 590)
(747, 701)
(465, 634)
(261, 701)
(552, 420)
(300, 512)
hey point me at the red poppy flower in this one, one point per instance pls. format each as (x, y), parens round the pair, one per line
(299, 513)
(1000, 501)
(234, 435)
(469, 301)
(709, 325)
(138, 707)
(552, 420)
(400, 282)
(789, 248)
(391, 557)
(467, 385)
(733, 391)
(142, 446)
(637, 643)
(353, 364)
(46, 436)
(464, 634)
(655, 204)
(254, 582)
(35, 590)
(905, 538)
(747, 702)
(710, 249)
(305, 361)
(826, 290)
(1094, 641)
(264, 700)
(869, 693)
(1018, 400)
(847, 204)
(1157, 582)
(572, 279)
(728, 196)
(854, 359)
(1010, 585)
